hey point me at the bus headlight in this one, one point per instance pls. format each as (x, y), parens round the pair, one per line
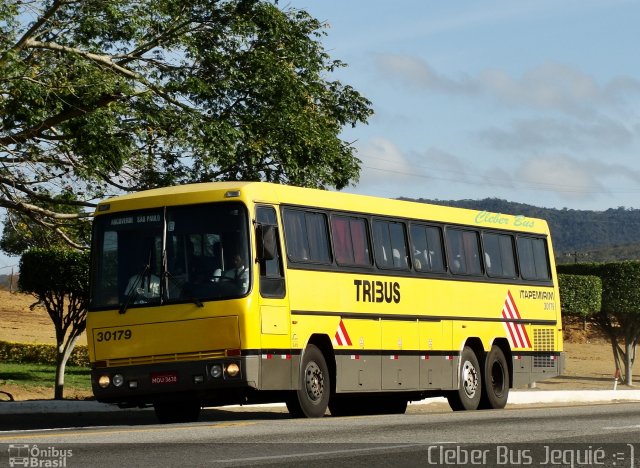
(216, 371)
(104, 381)
(233, 369)
(118, 380)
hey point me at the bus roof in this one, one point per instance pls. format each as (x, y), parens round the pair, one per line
(264, 192)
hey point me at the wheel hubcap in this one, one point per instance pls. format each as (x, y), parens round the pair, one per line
(314, 382)
(469, 379)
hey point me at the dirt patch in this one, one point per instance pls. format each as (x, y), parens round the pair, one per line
(589, 359)
(20, 324)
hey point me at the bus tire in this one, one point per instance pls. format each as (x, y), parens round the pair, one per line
(312, 397)
(177, 411)
(495, 380)
(467, 396)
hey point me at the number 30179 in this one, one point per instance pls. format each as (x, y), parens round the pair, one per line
(115, 335)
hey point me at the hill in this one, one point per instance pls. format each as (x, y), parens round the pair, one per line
(613, 234)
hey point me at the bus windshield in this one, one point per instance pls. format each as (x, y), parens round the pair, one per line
(174, 254)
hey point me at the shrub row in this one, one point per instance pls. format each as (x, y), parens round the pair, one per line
(580, 296)
(40, 354)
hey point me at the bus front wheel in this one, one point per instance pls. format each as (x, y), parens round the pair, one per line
(467, 396)
(312, 398)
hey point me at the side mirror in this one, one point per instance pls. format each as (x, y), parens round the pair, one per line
(267, 242)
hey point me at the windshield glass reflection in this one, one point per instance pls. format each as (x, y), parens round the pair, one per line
(180, 254)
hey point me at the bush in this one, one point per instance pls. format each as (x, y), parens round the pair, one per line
(582, 269)
(621, 288)
(40, 354)
(580, 296)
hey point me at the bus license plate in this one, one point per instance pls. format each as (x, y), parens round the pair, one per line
(164, 378)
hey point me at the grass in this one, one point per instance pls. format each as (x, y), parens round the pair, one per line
(43, 375)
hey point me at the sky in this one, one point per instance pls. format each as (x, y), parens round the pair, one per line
(532, 101)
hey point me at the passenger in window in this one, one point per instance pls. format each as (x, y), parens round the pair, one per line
(487, 260)
(145, 285)
(456, 265)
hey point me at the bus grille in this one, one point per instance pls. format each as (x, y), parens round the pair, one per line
(544, 340)
(162, 358)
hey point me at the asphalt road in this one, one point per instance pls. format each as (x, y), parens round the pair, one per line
(601, 435)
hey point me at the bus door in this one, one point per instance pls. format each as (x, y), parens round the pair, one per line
(276, 369)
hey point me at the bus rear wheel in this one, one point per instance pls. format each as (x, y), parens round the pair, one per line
(312, 397)
(468, 394)
(177, 411)
(495, 388)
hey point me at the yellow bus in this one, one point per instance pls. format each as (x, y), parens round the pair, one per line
(239, 292)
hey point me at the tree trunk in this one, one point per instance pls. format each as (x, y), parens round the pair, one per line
(62, 356)
(628, 363)
(616, 355)
(61, 362)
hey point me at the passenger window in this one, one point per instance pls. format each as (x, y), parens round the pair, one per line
(390, 245)
(534, 263)
(464, 252)
(498, 255)
(306, 236)
(350, 241)
(427, 248)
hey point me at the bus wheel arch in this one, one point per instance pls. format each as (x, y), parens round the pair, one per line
(323, 343)
(316, 380)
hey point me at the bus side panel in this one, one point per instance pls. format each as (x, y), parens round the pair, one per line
(437, 370)
(400, 371)
(358, 367)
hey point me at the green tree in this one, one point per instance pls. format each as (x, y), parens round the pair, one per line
(58, 279)
(104, 97)
(620, 315)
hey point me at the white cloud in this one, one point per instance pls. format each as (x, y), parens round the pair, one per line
(382, 162)
(418, 73)
(568, 177)
(549, 86)
(573, 178)
(536, 134)
(387, 170)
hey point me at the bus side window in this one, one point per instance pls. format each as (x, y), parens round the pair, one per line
(306, 236)
(271, 271)
(498, 253)
(390, 245)
(464, 252)
(350, 241)
(533, 257)
(427, 248)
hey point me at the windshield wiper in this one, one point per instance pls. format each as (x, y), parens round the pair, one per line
(133, 293)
